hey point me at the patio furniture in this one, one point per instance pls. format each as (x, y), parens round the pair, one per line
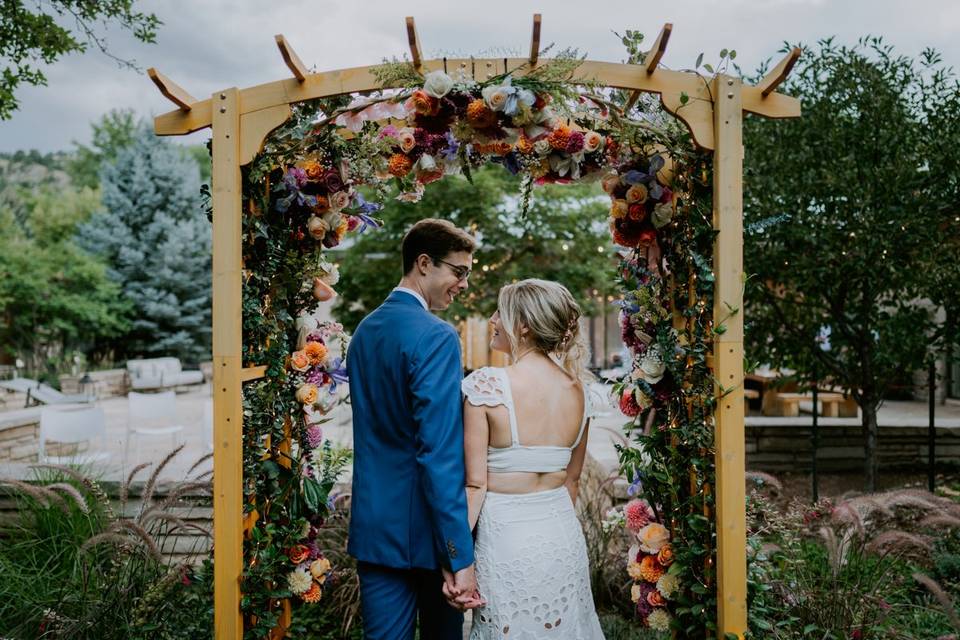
(40, 393)
(151, 415)
(72, 425)
(788, 404)
(160, 373)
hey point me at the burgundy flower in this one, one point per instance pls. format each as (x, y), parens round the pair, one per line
(574, 142)
(333, 181)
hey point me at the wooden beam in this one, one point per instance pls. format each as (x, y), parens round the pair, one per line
(171, 90)
(255, 126)
(290, 58)
(227, 365)
(535, 40)
(652, 59)
(414, 42)
(728, 358)
(780, 72)
(253, 373)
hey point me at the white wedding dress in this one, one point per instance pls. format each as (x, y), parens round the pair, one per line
(531, 557)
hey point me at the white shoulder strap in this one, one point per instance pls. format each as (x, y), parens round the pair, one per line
(484, 388)
(587, 413)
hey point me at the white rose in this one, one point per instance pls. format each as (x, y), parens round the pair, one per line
(542, 147)
(662, 214)
(427, 163)
(317, 228)
(651, 366)
(496, 97)
(437, 84)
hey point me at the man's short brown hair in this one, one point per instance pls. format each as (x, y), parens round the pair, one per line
(436, 238)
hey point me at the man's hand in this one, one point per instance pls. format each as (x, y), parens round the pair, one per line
(460, 589)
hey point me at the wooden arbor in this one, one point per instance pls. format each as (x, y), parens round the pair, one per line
(240, 120)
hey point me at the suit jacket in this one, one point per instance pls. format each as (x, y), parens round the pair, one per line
(409, 506)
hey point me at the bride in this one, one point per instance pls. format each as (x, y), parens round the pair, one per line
(525, 439)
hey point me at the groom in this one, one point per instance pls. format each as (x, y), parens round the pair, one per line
(409, 509)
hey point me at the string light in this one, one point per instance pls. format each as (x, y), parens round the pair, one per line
(566, 247)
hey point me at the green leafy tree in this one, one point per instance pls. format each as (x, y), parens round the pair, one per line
(31, 34)
(839, 229)
(563, 237)
(156, 240)
(113, 132)
(55, 299)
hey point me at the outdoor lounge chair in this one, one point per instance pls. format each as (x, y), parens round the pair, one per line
(39, 393)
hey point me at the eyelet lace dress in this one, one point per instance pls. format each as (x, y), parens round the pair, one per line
(531, 557)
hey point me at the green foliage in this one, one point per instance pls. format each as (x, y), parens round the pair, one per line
(512, 246)
(33, 34)
(156, 241)
(56, 299)
(114, 131)
(843, 214)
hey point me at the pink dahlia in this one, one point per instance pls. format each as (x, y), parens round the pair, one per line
(638, 514)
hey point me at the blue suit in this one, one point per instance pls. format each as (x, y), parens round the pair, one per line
(409, 508)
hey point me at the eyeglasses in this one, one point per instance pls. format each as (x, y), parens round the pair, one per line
(460, 271)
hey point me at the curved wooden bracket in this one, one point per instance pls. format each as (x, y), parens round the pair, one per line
(255, 126)
(171, 90)
(652, 59)
(414, 41)
(291, 59)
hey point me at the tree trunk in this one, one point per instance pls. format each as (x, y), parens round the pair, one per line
(871, 462)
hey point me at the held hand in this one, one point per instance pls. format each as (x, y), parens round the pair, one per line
(460, 590)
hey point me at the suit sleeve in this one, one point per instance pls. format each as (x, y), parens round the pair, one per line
(436, 372)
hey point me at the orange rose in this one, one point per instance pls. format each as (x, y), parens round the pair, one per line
(313, 169)
(424, 104)
(665, 555)
(316, 351)
(650, 569)
(307, 393)
(399, 165)
(298, 553)
(322, 206)
(299, 361)
(480, 115)
(313, 594)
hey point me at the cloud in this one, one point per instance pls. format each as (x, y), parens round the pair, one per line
(208, 45)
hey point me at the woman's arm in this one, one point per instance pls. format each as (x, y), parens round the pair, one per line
(476, 437)
(572, 483)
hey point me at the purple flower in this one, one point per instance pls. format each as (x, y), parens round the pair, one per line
(317, 376)
(338, 373)
(635, 485)
(314, 436)
(450, 153)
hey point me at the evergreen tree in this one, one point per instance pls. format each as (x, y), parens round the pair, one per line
(156, 241)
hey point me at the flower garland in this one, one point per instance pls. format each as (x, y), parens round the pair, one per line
(302, 196)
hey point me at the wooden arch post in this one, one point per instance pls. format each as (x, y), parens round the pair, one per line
(240, 120)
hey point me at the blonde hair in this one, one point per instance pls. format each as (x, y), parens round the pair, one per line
(552, 319)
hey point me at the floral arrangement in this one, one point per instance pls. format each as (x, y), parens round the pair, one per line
(308, 190)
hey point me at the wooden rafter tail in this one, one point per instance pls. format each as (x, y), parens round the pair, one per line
(291, 59)
(652, 59)
(414, 42)
(535, 41)
(171, 90)
(776, 77)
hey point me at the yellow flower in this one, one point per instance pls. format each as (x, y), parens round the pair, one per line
(650, 569)
(659, 620)
(633, 570)
(667, 585)
(619, 209)
(299, 581)
(635, 592)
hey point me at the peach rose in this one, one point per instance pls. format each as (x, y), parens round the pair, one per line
(592, 141)
(407, 139)
(652, 537)
(423, 103)
(665, 555)
(319, 569)
(637, 193)
(299, 361)
(322, 291)
(317, 228)
(656, 599)
(307, 393)
(610, 183)
(339, 200)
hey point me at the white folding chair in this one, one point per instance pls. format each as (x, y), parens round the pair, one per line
(208, 424)
(151, 415)
(73, 425)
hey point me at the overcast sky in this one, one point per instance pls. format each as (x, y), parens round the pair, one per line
(207, 45)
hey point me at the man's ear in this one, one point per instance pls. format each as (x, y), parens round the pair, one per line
(423, 260)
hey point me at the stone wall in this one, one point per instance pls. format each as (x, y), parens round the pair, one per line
(20, 438)
(106, 384)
